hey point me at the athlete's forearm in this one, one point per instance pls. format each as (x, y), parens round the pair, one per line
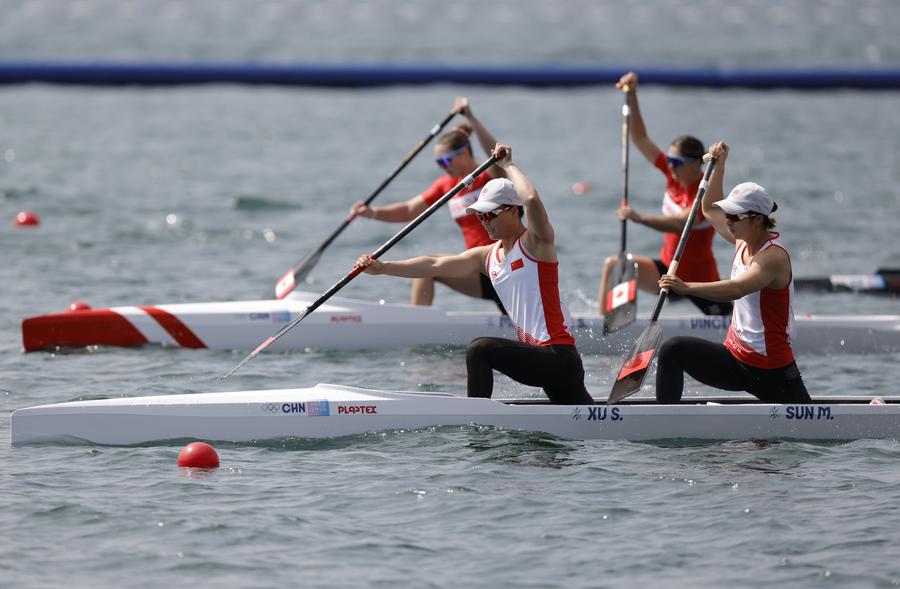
(400, 212)
(457, 266)
(661, 223)
(721, 291)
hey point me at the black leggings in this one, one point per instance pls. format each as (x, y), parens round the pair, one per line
(713, 364)
(557, 369)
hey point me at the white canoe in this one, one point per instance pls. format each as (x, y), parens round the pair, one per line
(343, 323)
(327, 411)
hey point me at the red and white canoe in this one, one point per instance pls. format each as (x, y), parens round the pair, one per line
(343, 323)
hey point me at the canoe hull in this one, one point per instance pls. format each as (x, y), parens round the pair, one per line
(351, 324)
(328, 411)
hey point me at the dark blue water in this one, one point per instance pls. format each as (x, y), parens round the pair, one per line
(210, 193)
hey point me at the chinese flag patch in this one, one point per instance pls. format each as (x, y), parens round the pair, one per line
(516, 264)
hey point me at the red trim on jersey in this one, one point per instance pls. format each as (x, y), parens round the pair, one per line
(548, 283)
(178, 330)
(525, 337)
(548, 279)
(527, 254)
(775, 305)
(495, 249)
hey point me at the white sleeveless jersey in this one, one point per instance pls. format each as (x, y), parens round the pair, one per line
(529, 290)
(762, 324)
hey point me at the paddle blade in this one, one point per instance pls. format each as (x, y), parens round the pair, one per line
(296, 275)
(620, 300)
(634, 369)
(285, 284)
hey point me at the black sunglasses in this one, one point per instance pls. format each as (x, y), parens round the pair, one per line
(739, 218)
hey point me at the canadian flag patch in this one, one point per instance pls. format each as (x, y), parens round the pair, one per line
(516, 264)
(621, 294)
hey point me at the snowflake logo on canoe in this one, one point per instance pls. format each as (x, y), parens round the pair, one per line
(775, 411)
(576, 413)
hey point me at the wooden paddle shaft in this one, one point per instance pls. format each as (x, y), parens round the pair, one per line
(626, 122)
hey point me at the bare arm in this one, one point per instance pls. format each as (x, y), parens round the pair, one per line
(664, 223)
(770, 268)
(716, 191)
(399, 212)
(485, 138)
(456, 266)
(638, 131)
(539, 239)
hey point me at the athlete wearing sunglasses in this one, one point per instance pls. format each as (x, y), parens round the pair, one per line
(732, 219)
(523, 268)
(681, 165)
(676, 161)
(491, 215)
(444, 161)
(756, 356)
(454, 155)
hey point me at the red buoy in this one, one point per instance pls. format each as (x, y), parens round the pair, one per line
(580, 188)
(27, 219)
(198, 455)
(78, 306)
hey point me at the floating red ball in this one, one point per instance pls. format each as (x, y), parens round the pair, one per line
(27, 219)
(78, 306)
(580, 188)
(198, 455)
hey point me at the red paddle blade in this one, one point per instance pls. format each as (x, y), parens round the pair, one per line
(620, 300)
(296, 275)
(285, 285)
(634, 369)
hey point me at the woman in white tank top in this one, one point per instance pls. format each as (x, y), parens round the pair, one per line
(756, 356)
(522, 268)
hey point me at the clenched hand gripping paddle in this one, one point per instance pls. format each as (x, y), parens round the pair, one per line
(375, 255)
(634, 369)
(298, 272)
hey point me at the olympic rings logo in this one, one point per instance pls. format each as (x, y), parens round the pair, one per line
(271, 407)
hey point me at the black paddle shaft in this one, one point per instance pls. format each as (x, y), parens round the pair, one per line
(357, 269)
(409, 157)
(634, 369)
(682, 241)
(303, 267)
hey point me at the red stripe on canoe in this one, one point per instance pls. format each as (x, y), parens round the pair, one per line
(100, 327)
(178, 330)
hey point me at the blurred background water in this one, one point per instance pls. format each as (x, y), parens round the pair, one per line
(210, 193)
